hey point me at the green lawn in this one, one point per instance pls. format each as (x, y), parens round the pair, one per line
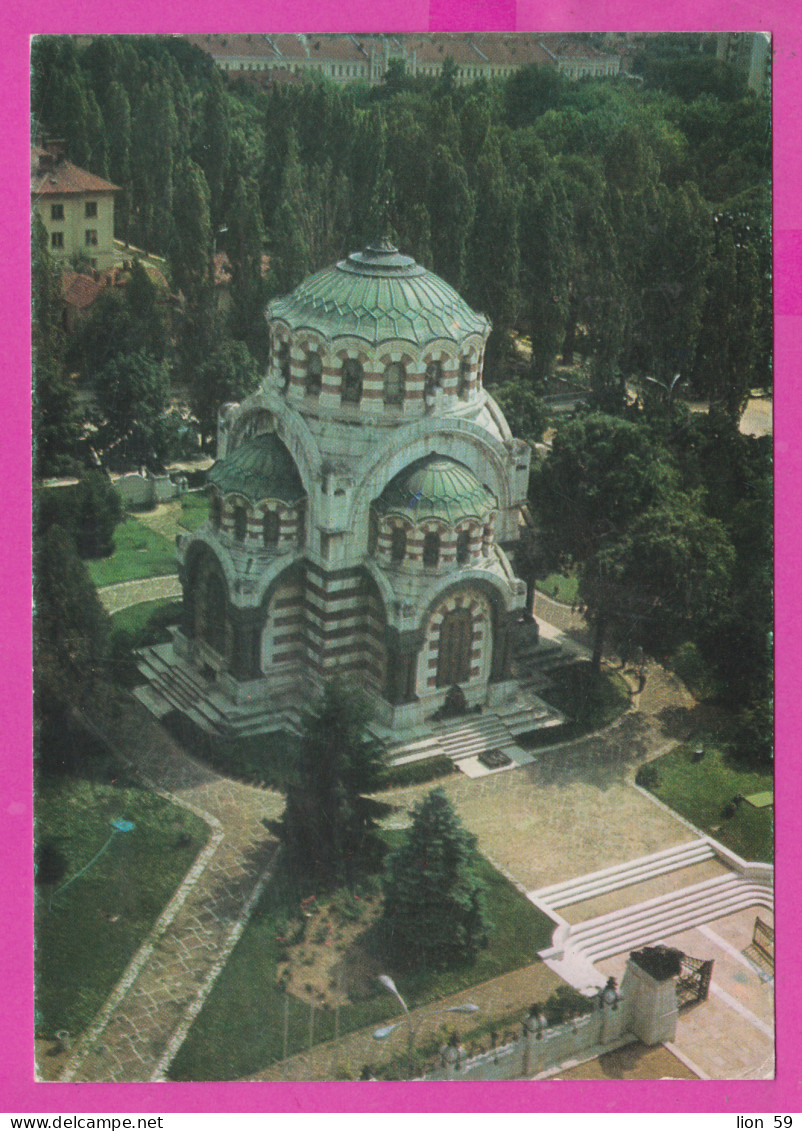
(194, 510)
(137, 627)
(700, 791)
(87, 933)
(562, 587)
(141, 623)
(588, 700)
(240, 1028)
(138, 552)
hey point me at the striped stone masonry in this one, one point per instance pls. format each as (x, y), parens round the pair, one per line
(290, 529)
(481, 639)
(481, 539)
(460, 378)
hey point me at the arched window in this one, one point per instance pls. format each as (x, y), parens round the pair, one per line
(215, 512)
(240, 522)
(464, 384)
(284, 365)
(352, 381)
(398, 549)
(463, 546)
(394, 384)
(314, 374)
(270, 528)
(431, 549)
(434, 377)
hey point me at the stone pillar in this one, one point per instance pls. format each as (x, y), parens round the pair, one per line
(651, 1004)
(502, 652)
(247, 627)
(403, 649)
(187, 621)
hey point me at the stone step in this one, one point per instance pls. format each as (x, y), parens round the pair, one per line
(582, 888)
(467, 742)
(659, 918)
(649, 934)
(655, 906)
(168, 688)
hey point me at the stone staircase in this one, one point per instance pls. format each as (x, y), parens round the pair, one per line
(576, 947)
(655, 920)
(175, 685)
(583, 888)
(536, 656)
(457, 740)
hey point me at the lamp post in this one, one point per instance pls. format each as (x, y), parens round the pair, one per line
(386, 1030)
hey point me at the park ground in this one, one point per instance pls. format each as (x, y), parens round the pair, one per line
(574, 809)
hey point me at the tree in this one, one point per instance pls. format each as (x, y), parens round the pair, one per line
(521, 404)
(434, 909)
(71, 630)
(530, 92)
(117, 116)
(214, 144)
(546, 219)
(88, 512)
(669, 572)
(145, 305)
(229, 374)
(245, 246)
(190, 252)
(329, 826)
(132, 392)
(452, 207)
(671, 292)
(601, 474)
(56, 419)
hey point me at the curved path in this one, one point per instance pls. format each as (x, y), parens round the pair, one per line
(126, 593)
(149, 1012)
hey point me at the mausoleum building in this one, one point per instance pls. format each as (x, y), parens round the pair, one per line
(360, 504)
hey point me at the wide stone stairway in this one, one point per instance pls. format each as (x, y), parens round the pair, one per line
(578, 946)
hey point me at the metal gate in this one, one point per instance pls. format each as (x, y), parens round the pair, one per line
(693, 983)
(762, 944)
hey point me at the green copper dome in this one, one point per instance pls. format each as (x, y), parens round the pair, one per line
(436, 487)
(261, 468)
(379, 295)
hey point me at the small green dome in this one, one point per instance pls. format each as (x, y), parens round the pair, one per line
(261, 468)
(379, 295)
(436, 487)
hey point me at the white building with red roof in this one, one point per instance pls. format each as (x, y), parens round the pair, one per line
(76, 208)
(365, 58)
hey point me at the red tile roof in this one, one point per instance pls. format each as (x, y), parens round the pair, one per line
(79, 291)
(51, 177)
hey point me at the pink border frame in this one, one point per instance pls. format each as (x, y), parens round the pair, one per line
(18, 1091)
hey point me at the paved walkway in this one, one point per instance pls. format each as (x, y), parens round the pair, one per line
(120, 596)
(148, 1014)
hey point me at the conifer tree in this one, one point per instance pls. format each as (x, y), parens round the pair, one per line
(434, 911)
(329, 824)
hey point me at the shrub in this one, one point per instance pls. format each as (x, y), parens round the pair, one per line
(647, 776)
(414, 773)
